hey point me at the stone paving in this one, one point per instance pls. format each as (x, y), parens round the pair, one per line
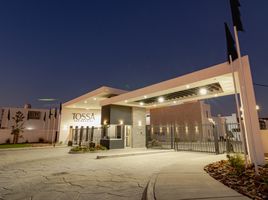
(54, 174)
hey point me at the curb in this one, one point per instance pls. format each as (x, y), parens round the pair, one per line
(149, 192)
(131, 154)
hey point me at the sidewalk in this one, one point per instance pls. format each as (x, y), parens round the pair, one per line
(188, 180)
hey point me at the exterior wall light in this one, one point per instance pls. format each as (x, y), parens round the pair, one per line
(203, 91)
(121, 122)
(257, 107)
(139, 123)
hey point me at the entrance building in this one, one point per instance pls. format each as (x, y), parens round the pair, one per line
(120, 116)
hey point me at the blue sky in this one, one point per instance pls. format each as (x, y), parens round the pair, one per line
(62, 49)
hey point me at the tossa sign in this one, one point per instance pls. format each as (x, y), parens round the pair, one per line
(83, 117)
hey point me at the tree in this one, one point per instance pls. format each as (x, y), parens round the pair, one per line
(18, 126)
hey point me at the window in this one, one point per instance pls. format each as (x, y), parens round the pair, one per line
(119, 130)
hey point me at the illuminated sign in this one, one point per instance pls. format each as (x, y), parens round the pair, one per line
(83, 117)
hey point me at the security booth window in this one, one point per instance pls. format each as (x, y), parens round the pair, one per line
(119, 132)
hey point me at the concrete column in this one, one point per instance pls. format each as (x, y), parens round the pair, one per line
(250, 116)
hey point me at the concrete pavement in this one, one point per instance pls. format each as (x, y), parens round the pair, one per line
(187, 180)
(53, 174)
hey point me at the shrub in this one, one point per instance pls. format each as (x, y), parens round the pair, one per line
(156, 143)
(70, 143)
(100, 147)
(91, 145)
(237, 162)
(7, 141)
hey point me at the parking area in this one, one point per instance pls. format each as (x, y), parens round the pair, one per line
(55, 174)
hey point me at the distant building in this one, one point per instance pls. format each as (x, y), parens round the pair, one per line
(38, 127)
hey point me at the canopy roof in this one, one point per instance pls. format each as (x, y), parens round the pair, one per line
(211, 82)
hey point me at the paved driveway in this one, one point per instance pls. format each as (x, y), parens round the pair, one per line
(54, 174)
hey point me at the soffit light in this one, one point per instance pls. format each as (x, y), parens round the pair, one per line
(161, 99)
(203, 91)
(141, 103)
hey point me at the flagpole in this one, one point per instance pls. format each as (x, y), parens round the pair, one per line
(48, 128)
(53, 128)
(44, 125)
(250, 139)
(238, 113)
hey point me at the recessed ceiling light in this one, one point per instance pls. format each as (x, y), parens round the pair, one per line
(203, 91)
(95, 99)
(145, 97)
(187, 86)
(141, 103)
(161, 99)
(174, 102)
(215, 95)
(126, 101)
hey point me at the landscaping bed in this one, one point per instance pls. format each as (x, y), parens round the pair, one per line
(233, 174)
(86, 149)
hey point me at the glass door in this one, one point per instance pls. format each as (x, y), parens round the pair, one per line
(127, 136)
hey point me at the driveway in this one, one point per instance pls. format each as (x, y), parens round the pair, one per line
(55, 174)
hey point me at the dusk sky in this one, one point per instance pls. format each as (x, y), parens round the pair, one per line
(63, 49)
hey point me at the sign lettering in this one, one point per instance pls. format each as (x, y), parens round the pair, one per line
(83, 117)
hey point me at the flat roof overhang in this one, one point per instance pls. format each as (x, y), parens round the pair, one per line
(216, 80)
(91, 100)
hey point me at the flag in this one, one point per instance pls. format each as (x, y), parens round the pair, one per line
(8, 115)
(49, 115)
(231, 50)
(55, 113)
(236, 14)
(45, 116)
(60, 108)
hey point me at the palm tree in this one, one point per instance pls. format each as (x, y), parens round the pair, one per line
(18, 126)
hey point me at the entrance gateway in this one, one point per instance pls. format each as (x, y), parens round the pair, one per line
(120, 116)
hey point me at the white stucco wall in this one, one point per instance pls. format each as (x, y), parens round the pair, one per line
(34, 129)
(77, 117)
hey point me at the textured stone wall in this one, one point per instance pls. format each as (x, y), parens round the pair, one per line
(138, 128)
